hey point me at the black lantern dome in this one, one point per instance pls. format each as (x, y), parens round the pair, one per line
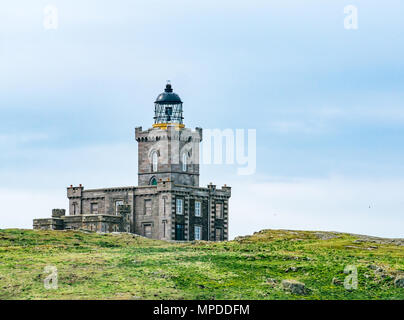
(168, 109)
(168, 96)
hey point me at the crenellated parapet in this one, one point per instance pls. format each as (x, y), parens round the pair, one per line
(168, 134)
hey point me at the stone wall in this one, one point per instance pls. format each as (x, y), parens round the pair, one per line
(106, 201)
(170, 145)
(48, 224)
(131, 216)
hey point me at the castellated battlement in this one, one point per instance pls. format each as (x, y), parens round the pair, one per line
(171, 133)
(58, 213)
(74, 191)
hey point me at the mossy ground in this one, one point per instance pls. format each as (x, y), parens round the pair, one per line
(121, 266)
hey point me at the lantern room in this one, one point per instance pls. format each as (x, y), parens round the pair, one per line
(168, 109)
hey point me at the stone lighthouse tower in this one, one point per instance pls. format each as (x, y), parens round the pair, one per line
(168, 151)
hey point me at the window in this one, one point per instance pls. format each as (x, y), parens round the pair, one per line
(197, 208)
(94, 208)
(147, 207)
(219, 210)
(117, 204)
(219, 234)
(180, 206)
(147, 230)
(169, 112)
(198, 233)
(184, 162)
(164, 229)
(74, 208)
(154, 161)
(164, 206)
(179, 232)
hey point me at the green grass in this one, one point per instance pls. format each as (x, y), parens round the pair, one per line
(109, 266)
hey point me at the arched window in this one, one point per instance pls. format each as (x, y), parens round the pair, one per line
(153, 181)
(154, 161)
(184, 162)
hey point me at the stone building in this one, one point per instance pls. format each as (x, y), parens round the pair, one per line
(168, 203)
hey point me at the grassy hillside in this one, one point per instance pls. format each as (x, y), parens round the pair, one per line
(123, 266)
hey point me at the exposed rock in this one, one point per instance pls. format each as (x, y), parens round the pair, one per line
(85, 231)
(325, 235)
(377, 240)
(379, 271)
(294, 269)
(272, 282)
(362, 248)
(240, 238)
(291, 258)
(399, 282)
(294, 287)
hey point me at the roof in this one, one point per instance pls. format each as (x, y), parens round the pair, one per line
(168, 96)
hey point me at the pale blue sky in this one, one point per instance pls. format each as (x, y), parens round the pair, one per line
(327, 103)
